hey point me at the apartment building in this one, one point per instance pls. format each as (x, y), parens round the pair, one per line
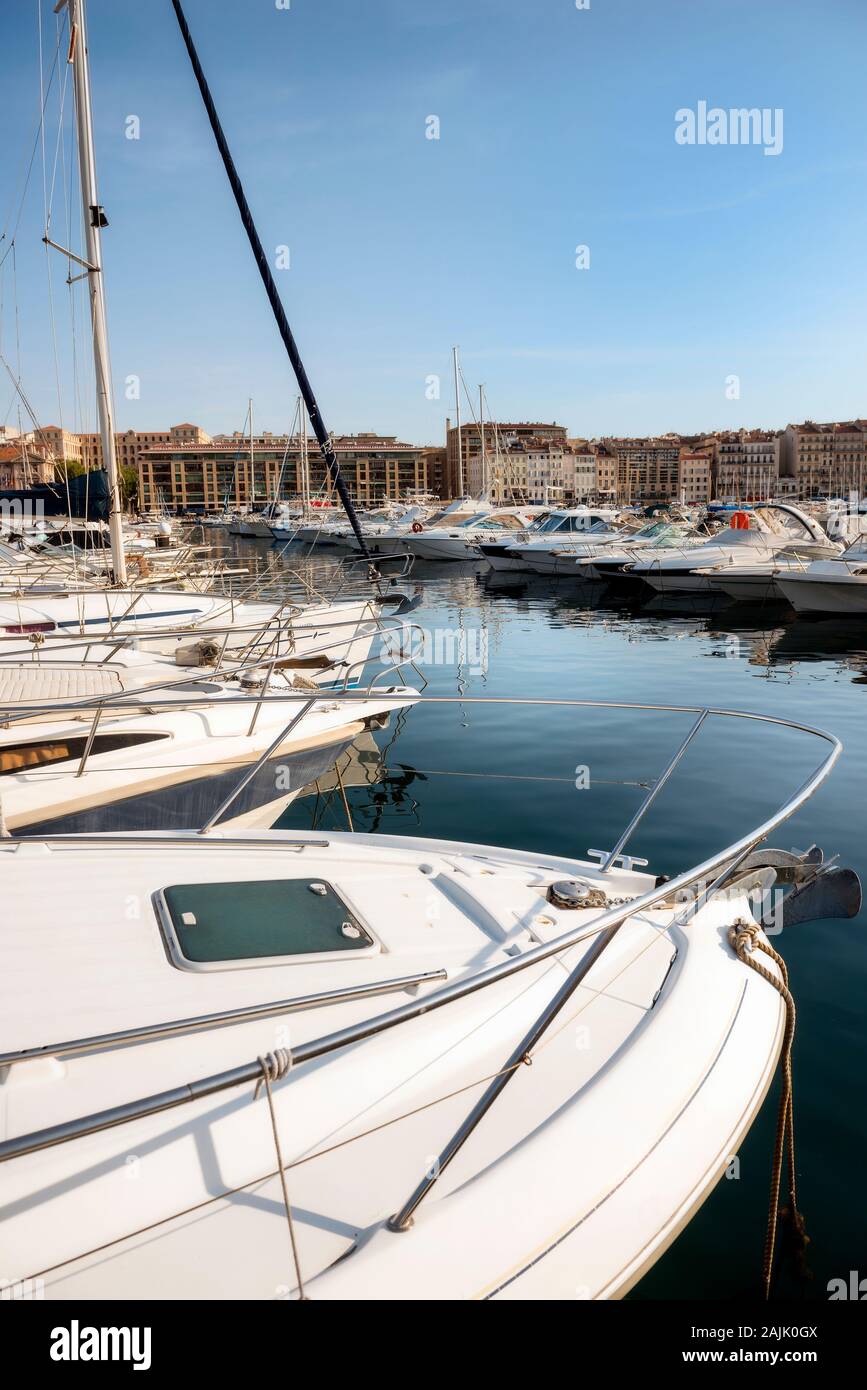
(648, 470)
(695, 476)
(606, 472)
(826, 459)
(579, 472)
(746, 464)
(507, 442)
(547, 473)
(434, 460)
(61, 445)
(86, 449)
(193, 476)
(22, 467)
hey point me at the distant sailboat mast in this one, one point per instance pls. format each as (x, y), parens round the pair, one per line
(485, 487)
(305, 461)
(458, 423)
(251, 495)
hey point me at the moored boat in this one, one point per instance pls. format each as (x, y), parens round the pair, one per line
(361, 1002)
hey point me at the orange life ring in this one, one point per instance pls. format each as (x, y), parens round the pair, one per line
(740, 521)
(417, 526)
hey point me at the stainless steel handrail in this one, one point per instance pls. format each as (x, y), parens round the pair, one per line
(403, 1219)
(712, 873)
(261, 762)
(126, 701)
(75, 639)
(154, 1032)
(652, 794)
(251, 653)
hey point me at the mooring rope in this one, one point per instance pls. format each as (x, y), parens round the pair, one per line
(276, 1065)
(744, 940)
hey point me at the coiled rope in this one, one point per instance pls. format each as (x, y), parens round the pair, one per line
(744, 939)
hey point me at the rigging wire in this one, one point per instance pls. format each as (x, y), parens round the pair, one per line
(4, 235)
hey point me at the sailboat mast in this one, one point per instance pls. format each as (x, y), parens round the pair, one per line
(482, 434)
(326, 443)
(305, 462)
(94, 221)
(458, 422)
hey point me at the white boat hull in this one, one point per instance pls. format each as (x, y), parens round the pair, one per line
(559, 563)
(748, 588)
(581, 1175)
(170, 767)
(826, 595)
(674, 582)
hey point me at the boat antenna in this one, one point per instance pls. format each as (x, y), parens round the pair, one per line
(326, 443)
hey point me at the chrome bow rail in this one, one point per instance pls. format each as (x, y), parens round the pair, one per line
(706, 878)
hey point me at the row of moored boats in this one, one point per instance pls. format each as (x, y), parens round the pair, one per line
(815, 557)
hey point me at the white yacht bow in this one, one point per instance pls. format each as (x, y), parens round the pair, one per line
(837, 585)
(334, 1031)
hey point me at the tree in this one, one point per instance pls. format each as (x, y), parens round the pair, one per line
(129, 485)
(70, 468)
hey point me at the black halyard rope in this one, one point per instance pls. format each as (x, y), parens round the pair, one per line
(323, 437)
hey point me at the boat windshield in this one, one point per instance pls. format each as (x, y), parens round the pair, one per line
(652, 530)
(783, 523)
(568, 521)
(666, 533)
(508, 522)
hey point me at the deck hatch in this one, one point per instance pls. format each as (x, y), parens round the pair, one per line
(254, 922)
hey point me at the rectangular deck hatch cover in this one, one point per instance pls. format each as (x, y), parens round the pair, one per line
(260, 919)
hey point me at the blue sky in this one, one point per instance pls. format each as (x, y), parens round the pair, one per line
(556, 129)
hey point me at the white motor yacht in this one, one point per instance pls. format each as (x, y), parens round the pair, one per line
(758, 583)
(613, 561)
(384, 529)
(271, 1067)
(128, 741)
(334, 638)
(837, 585)
(752, 537)
(564, 530)
(253, 525)
(284, 521)
(459, 538)
(391, 541)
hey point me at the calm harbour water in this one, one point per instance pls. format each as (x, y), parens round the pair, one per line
(558, 639)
